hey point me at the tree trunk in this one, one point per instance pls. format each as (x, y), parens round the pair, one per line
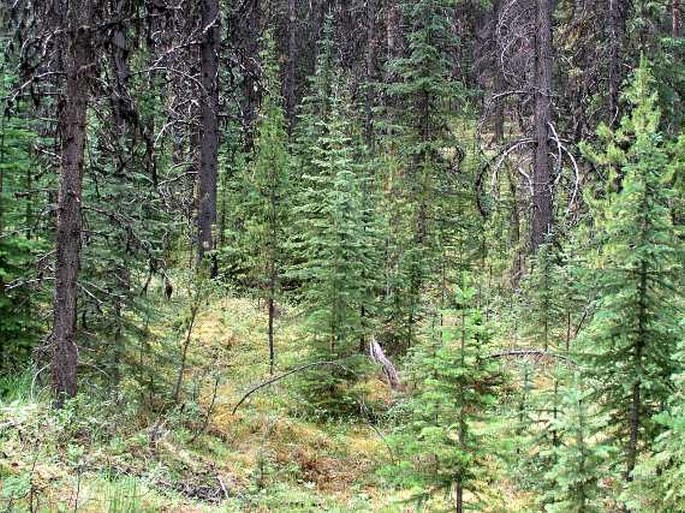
(290, 73)
(122, 105)
(369, 97)
(272, 314)
(459, 499)
(542, 180)
(498, 79)
(209, 128)
(2, 225)
(393, 28)
(517, 265)
(631, 455)
(77, 61)
(676, 25)
(616, 32)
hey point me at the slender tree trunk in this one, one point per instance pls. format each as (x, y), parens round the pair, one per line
(291, 69)
(616, 32)
(676, 19)
(273, 277)
(77, 61)
(195, 307)
(631, 455)
(636, 399)
(542, 179)
(209, 130)
(459, 500)
(2, 223)
(272, 314)
(498, 79)
(517, 265)
(122, 105)
(369, 97)
(393, 19)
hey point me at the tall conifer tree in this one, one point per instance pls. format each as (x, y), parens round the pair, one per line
(628, 345)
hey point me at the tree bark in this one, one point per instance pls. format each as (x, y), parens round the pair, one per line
(676, 19)
(616, 32)
(290, 73)
(542, 179)
(370, 69)
(393, 19)
(498, 79)
(77, 63)
(209, 128)
(122, 104)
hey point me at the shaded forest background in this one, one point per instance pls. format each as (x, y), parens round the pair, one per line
(454, 226)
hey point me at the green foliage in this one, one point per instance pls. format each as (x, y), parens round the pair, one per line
(421, 191)
(581, 459)
(334, 242)
(265, 184)
(659, 477)
(20, 328)
(439, 433)
(628, 345)
(552, 297)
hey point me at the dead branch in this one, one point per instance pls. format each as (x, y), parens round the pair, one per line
(285, 375)
(525, 353)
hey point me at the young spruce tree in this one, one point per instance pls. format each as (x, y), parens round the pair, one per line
(438, 437)
(333, 245)
(628, 346)
(420, 100)
(580, 458)
(267, 192)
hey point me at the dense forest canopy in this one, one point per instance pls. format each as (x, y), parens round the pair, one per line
(362, 255)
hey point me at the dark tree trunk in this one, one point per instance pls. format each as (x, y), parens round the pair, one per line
(393, 28)
(459, 499)
(676, 20)
(370, 70)
(209, 128)
(631, 456)
(77, 63)
(517, 267)
(616, 32)
(272, 314)
(498, 80)
(290, 74)
(636, 396)
(2, 225)
(542, 179)
(122, 105)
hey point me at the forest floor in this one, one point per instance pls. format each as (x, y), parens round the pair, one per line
(267, 456)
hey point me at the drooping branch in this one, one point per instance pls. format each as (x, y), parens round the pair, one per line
(532, 352)
(285, 375)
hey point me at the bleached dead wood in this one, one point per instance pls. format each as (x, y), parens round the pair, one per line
(377, 355)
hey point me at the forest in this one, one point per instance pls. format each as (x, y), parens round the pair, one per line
(342, 255)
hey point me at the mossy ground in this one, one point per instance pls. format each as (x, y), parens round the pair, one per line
(118, 455)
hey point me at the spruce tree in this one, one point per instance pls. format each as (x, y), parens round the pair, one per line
(438, 435)
(334, 240)
(267, 190)
(658, 484)
(580, 458)
(20, 328)
(628, 345)
(418, 130)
